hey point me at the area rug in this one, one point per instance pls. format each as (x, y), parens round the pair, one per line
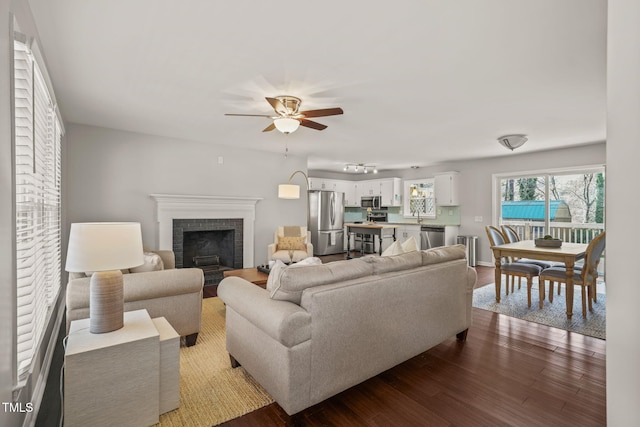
(211, 392)
(552, 314)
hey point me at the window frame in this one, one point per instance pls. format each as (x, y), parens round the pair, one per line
(45, 197)
(496, 196)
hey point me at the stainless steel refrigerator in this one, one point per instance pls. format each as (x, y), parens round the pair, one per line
(326, 224)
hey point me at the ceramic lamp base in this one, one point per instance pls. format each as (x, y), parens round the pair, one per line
(106, 302)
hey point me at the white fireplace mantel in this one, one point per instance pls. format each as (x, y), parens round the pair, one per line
(179, 206)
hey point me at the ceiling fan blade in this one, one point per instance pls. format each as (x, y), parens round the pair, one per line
(269, 128)
(248, 115)
(312, 124)
(322, 112)
(277, 105)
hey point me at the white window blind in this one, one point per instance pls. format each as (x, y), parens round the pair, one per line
(38, 199)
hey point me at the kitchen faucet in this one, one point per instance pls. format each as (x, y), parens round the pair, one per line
(414, 214)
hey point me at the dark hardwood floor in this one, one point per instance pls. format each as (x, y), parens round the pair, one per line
(508, 372)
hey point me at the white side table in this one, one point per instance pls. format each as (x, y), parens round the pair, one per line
(113, 378)
(169, 365)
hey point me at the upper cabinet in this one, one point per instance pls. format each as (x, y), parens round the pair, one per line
(446, 189)
(419, 198)
(390, 192)
(389, 189)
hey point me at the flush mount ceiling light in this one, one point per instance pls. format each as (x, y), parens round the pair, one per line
(360, 167)
(512, 141)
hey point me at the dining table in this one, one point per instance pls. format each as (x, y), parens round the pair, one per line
(568, 253)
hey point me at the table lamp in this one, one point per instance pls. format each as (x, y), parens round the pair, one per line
(102, 249)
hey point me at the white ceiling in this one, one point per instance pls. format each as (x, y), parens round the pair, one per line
(420, 82)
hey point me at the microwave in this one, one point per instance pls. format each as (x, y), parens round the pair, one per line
(372, 202)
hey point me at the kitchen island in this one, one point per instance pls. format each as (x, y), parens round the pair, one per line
(372, 229)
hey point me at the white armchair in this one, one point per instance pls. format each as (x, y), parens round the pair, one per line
(288, 238)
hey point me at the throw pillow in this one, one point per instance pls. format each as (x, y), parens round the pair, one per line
(394, 249)
(152, 262)
(279, 267)
(286, 243)
(410, 245)
(273, 281)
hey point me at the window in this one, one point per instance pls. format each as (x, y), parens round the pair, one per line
(568, 205)
(38, 135)
(419, 198)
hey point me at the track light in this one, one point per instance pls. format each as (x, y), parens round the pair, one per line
(357, 167)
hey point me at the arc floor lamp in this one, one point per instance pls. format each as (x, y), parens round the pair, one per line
(292, 191)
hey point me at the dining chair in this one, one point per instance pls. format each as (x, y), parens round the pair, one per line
(512, 236)
(585, 277)
(514, 269)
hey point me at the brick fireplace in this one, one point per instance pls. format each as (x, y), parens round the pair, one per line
(215, 245)
(216, 215)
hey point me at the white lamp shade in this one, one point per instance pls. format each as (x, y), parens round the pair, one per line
(104, 246)
(288, 191)
(286, 125)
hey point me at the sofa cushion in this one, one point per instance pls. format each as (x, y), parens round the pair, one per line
(295, 280)
(152, 262)
(443, 254)
(384, 264)
(273, 281)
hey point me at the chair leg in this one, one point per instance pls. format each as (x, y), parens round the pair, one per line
(584, 302)
(519, 282)
(590, 291)
(559, 286)
(529, 292)
(551, 289)
(540, 293)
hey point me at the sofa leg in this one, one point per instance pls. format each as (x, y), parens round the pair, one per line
(462, 336)
(190, 340)
(234, 362)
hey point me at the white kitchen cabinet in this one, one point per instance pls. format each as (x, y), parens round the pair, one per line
(408, 230)
(446, 189)
(390, 191)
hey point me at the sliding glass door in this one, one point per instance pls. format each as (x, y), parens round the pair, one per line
(565, 204)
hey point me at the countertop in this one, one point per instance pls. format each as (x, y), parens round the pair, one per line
(429, 224)
(377, 225)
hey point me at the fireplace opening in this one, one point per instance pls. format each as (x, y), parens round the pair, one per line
(213, 245)
(213, 251)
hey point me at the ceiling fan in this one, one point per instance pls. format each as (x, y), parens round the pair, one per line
(288, 115)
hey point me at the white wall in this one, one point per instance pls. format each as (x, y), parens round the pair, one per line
(110, 175)
(623, 206)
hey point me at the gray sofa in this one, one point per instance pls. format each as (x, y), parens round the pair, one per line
(328, 327)
(175, 294)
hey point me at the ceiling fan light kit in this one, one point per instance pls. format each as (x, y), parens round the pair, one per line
(289, 117)
(286, 125)
(512, 141)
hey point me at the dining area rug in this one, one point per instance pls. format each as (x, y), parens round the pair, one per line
(552, 313)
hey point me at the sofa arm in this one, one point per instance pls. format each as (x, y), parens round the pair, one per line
(283, 321)
(271, 249)
(168, 258)
(142, 286)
